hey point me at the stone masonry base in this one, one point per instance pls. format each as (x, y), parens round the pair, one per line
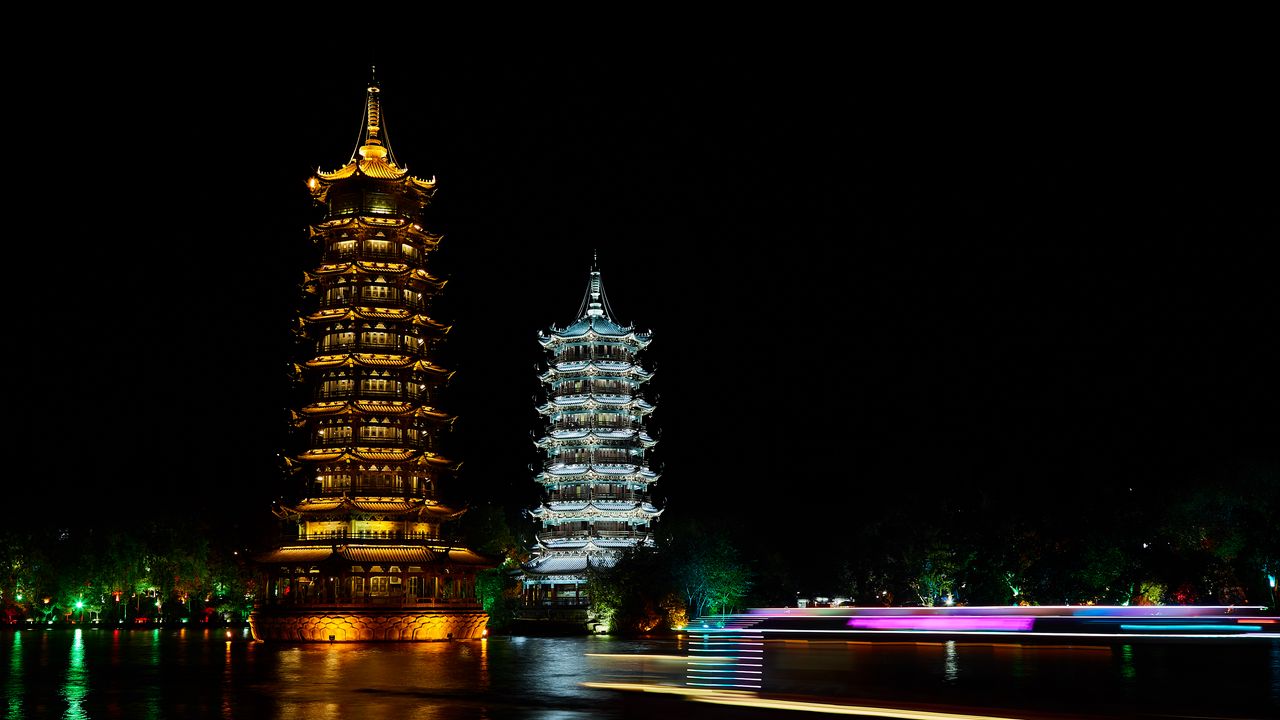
(317, 625)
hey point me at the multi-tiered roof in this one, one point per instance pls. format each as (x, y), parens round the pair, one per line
(595, 475)
(372, 457)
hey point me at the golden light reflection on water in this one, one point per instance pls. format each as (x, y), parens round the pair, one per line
(227, 687)
(751, 699)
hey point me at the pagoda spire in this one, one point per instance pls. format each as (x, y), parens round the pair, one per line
(596, 304)
(373, 136)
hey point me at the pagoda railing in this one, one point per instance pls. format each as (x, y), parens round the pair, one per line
(563, 425)
(409, 392)
(585, 497)
(564, 602)
(420, 443)
(598, 464)
(368, 535)
(587, 394)
(579, 461)
(578, 356)
(391, 348)
(616, 390)
(585, 534)
(398, 491)
(332, 255)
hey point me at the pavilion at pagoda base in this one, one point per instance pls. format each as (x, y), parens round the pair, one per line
(557, 603)
(365, 593)
(552, 622)
(366, 624)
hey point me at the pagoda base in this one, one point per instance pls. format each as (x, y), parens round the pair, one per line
(366, 624)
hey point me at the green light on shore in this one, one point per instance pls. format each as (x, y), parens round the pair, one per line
(79, 604)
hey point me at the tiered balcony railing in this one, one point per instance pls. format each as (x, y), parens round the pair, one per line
(616, 422)
(554, 496)
(392, 299)
(568, 389)
(559, 534)
(421, 442)
(409, 391)
(598, 464)
(596, 458)
(409, 346)
(577, 354)
(387, 535)
(337, 255)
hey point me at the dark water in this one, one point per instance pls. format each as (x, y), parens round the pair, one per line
(105, 673)
(1187, 679)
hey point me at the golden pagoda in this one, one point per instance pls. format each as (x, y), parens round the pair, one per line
(368, 561)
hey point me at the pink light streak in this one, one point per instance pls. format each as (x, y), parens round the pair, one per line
(944, 623)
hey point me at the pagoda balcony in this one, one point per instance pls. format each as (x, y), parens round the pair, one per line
(602, 497)
(583, 466)
(571, 425)
(392, 300)
(624, 534)
(580, 355)
(396, 491)
(409, 393)
(388, 256)
(402, 348)
(584, 460)
(385, 535)
(348, 254)
(587, 534)
(603, 397)
(337, 255)
(372, 442)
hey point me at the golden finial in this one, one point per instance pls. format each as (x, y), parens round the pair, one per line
(373, 146)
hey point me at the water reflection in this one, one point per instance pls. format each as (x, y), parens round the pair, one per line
(13, 683)
(1127, 670)
(1275, 672)
(147, 674)
(951, 664)
(76, 683)
(227, 678)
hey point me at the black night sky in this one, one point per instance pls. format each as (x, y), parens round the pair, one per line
(871, 280)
